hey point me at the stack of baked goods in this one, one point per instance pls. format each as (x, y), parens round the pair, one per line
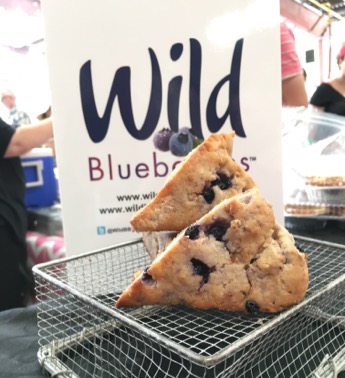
(206, 177)
(229, 253)
(318, 195)
(328, 190)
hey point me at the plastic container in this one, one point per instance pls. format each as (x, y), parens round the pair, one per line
(313, 156)
(322, 125)
(41, 187)
(330, 195)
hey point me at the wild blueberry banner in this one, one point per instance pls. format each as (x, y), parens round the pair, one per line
(136, 85)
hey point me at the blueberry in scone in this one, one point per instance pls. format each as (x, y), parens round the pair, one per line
(252, 307)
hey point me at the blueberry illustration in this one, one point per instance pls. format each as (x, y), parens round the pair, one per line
(187, 130)
(180, 144)
(161, 139)
(197, 142)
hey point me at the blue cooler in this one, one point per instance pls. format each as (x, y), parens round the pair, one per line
(41, 186)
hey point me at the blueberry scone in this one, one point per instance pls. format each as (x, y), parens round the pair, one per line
(233, 258)
(207, 176)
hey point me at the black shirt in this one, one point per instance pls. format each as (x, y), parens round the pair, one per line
(329, 98)
(12, 187)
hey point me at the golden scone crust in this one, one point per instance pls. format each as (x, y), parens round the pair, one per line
(207, 176)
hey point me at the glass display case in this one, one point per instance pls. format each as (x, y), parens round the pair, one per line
(314, 169)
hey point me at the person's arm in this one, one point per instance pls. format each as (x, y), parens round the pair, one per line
(294, 92)
(293, 84)
(27, 137)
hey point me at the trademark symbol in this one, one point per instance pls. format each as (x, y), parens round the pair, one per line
(252, 158)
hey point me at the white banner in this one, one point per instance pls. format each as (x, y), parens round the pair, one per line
(122, 71)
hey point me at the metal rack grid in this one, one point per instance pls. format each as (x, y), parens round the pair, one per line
(82, 334)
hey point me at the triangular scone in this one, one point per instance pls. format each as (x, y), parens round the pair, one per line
(234, 258)
(207, 176)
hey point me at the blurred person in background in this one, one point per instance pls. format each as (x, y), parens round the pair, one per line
(294, 92)
(15, 117)
(329, 96)
(16, 281)
(50, 143)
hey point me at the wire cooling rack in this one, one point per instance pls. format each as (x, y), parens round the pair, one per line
(82, 334)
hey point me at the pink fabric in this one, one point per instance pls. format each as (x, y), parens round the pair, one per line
(290, 63)
(42, 248)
